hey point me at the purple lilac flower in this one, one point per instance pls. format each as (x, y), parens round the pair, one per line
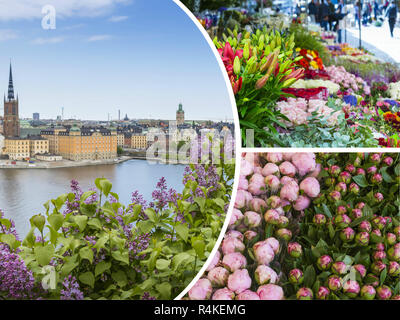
(146, 296)
(71, 290)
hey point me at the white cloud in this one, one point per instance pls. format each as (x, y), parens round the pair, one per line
(32, 9)
(118, 18)
(6, 34)
(41, 41)
(100, 37)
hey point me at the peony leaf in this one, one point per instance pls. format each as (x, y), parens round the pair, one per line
(361, 181)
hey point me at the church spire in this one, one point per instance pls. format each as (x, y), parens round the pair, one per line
(10, 86)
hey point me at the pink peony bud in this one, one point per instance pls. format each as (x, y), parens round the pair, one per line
(247, 295)
(362, 238)
(377, 267)
(390, 238)
(252, 219)
(250, 235)
(288, 169)
(372, 279)
(341, 210)
(287, 156)
(302, 203)
(334, 196)
(258, 205)
(344, 177)
(310, 186)
(234, 234)
(339, 268)
(231, 245)
(283, 234)
(394, 269)
(223, 294)
(341, 187)
(350, 168)
(383, 293)
(379, 255)
(360, 205)
(394, 253)
(334, 170)
(368, 292)
(270, 169)
(274, 157)
(270, 292)
(246, 168)
(375, 158)
(316, 172)
(380, 246)
(294, 249)
(290, 191)
(334, 283)
(265, 275)
(304, 294)
(304, 162)
(272, 183)
(396, 297)
(201, 290)
(234, 261)
(379, 222)
(319, 220)
(356, 214)
(284, 180)
(323, 293)
(243, 183)
(342, 221)
(214, 261)
(218, 276)
(274, 244)
(263, 252)
(388, 161)
(242, 198)
(362, 271)
(365, 226)
(239, 281)
(274, 202)
(360, 172)
(236, 217)
(330, 182)
(347, 234)
(372, 170)
(283, 222)
(376, 178)
(324, 262)
(351, 288)
(296, 276)
(272, 217)
(256, 188)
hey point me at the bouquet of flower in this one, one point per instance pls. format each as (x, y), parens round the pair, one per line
(348, 81)
(394, 90)
(332, 87)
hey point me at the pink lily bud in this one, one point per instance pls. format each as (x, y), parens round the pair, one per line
(239, 281)
(234, 261)
(265, 274)
(270, 292)
(201, 290)
(223, 294)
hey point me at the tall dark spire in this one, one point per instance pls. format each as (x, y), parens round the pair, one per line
(10, 86)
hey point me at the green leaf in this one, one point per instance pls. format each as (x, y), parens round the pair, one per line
(56, 220)
(44, 254)
(95, 223)
(123, 257)
(309, 276)
(120, 278)
(165, 290)
(106, 186)
(151, 214)
(38, 221)
(199, 246)
(383, 275)
(145, 226)
(386, 177)
(81, 222)
(326, 210)
(86, 195)
(101, 267)
(162, 264)
(361, 181)
(87, 278)
(183, 231)
(86, 253)
(201, 202)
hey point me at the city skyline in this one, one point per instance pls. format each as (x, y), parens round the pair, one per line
(147, 65)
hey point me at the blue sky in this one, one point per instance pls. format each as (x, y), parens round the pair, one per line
(140, 56)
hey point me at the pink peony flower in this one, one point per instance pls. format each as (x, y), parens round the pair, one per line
(252, 219)
(246, 168)
(270, 292)
(302, 203)
(214, 261)
(304, 162)
(236, 217)
(274, 244)
(230, 245)
(263, 252)
(201, 290)
(239, 281)
(218, 276)
(274, 157)
(265, 275)
(270, 169)
(287, 169)
(310, 186)
(258, 205)
(272, 182)
(290, 191)
(247, 295)
(223, 294)
(234, 261)
(243, 183)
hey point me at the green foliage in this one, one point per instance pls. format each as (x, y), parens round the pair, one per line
(98, 242)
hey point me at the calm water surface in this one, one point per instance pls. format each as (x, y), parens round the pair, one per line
(24, 191)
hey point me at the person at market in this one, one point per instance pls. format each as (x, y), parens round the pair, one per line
(365, 13)
(331, 19)
(391, 14)
(339, 18)
(312, 11)
(357, 13)
(318, 13)
(323, 12)
(376, 10)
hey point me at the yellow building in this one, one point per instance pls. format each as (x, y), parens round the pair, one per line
(139, 141)
(51, 135)
(23, 148)
(120, 139)
(87, 144)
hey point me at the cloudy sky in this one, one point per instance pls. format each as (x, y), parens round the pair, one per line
(140, 56)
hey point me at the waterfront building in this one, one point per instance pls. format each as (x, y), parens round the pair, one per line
(49, 157)
(120, 139)
(38, 145)
(51, 134)
(11, 126)
(87, 143)
(139, 141)
(1, 144)
(180, 115)
(25, 148)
